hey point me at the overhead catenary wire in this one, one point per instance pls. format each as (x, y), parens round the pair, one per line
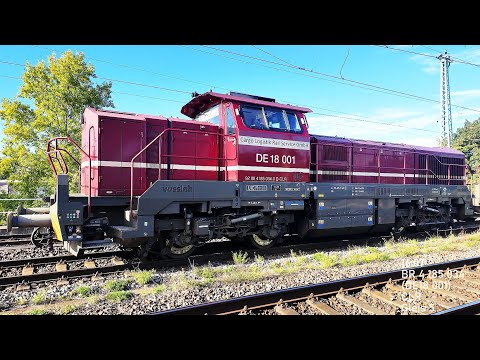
(286, 101)
(283, 70)
(274, 56)
(187, 92)
(143, 70)
(317, 107)
(455, 59)
(214, 86)
(372, 121)
(325, 74)
(353, 82)
(118, 80)
(406, 51)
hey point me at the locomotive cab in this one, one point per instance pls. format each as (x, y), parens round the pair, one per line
(264, 140)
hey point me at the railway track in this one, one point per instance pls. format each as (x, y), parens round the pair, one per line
(24, 272)
(446, 288)
(13, 240)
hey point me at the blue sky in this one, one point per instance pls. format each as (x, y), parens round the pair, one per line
(196, 68)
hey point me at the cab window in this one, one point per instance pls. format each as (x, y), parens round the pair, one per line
(275, 120)
(293, 122)
(253, 118)
(230, 122)
(211, 115)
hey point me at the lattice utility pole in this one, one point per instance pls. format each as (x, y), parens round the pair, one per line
(446, 131)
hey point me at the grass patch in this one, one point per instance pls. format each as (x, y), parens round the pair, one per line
(37, 312)
(470, 243)
(143, 277)
(21, 301)
(93, 299)
(288, 267)
(325, 260)
(205, 272)
(118, 296)
(116, 285)
(371, 254)
(181, 282)
(159, 289)
(240, 257)
(251, 273)
(39, 298)
(301, 260)
(448, 247)
(408, 248)
(68, 309)
(83, 291)
(259, 259)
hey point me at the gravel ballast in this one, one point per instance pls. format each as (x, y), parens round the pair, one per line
(177, 296)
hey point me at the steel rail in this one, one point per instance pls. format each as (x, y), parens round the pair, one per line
(239, 304)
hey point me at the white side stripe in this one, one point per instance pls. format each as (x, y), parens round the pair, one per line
(141, 165)
(361, 173)
(268, 168)
(124, 164)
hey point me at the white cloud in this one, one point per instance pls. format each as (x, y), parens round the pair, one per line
(466, 93)
(470, 55)
(355, 128)
(419, 141)
(428, 64)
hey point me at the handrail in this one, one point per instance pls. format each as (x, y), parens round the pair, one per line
(60, 151)
(352, 169)
(376, 148)
(171, 155)
(413, 152)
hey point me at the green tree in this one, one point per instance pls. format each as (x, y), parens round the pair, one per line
(467, 140)
(50, 101)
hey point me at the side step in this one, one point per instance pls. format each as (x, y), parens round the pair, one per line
(121, 232)
(74, 247)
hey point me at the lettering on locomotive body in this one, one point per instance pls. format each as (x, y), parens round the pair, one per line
(275, 143)
(181, 188)
(256, 187)
(292, 189)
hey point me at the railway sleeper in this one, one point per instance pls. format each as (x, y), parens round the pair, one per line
(386, 299)
(448, 293)
(360, 304)
(280, 310)
(467, 288)
(27, 271)
(60, 267)
(442, 304)
(472, 281)
(322, 307)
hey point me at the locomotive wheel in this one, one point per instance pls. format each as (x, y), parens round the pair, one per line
(42, 238)
(261, 242)
(177, 252)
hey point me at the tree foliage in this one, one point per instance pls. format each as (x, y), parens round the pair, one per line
(50, 101)
(467, 140)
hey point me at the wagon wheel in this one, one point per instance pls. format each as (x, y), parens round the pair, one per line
(42, 237)
(262, 242)
(179, 252)
(170, 250)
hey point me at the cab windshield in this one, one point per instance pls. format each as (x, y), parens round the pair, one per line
(270, 119)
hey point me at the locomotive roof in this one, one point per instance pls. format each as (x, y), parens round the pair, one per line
(202, 102)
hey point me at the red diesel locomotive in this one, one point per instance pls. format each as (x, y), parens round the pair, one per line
(244, 168)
